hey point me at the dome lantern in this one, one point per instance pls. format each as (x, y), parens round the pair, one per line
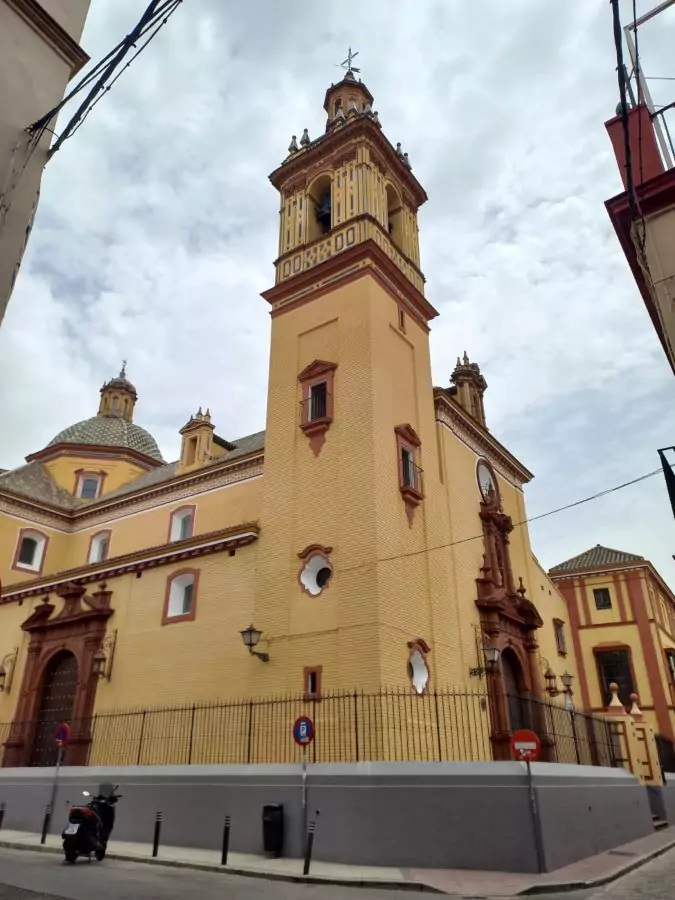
(118, 397)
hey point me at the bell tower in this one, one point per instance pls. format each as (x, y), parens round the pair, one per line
(348, 198)
(350, 415)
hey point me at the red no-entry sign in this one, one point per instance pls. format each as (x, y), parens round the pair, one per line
(525, 746)
(62, 734)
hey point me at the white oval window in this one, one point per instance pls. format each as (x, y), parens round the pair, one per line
(315, 574)
(418, 671)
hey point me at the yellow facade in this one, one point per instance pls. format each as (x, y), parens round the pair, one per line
(618, 604)
(433, 564)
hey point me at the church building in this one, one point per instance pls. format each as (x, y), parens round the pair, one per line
(370, 537)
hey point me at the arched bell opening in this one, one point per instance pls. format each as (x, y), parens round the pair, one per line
(319, 208)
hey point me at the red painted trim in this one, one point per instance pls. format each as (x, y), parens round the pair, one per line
(569, 593)
(189, 617)
(28, 532)
(337, 269)
(651, 662)
(585, 602)
(619, 597)
(108, 533)
(193, 509)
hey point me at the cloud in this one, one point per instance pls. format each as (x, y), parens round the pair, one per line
(157, 227)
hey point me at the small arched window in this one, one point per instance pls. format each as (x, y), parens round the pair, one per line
(30, 551)
(180, 604)
(116, 405)
(182, 523)
(99, 547)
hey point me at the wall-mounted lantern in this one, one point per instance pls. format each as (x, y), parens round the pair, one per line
(251, 636)
(102, 663)
(551, 680)
(7, 667)
(491, 655)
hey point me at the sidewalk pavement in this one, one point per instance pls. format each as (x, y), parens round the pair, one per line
(584, 874)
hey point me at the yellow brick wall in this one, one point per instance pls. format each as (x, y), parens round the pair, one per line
(118, 472)
(182, 662)
(216, 509)
(10, 528)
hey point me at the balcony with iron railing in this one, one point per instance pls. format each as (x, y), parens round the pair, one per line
(412, 479)
(316, 412)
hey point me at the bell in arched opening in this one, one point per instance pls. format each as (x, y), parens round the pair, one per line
(323, 211)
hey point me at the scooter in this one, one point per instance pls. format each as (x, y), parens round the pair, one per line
(89, 827)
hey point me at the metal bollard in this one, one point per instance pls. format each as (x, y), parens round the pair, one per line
(158, 831)
(309, 843)
(3, 807)
(226, 841)
(46, 823)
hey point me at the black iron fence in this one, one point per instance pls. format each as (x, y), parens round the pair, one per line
(567, 736)
(395, 726)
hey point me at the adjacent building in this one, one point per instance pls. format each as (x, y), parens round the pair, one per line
(622, 623)
(371, 537)
(39, 54)
(643, 216)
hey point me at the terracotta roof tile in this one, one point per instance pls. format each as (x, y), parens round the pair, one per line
(595, 558)
(34, 482)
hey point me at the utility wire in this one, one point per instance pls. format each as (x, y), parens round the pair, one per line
(150, 17)
(525, 521)
(176, 4)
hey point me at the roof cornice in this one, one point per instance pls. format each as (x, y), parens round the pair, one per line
(149, 558)
(53, 33)
(95, 451)
(447, 408)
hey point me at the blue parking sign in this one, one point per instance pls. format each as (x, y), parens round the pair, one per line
(303, 731)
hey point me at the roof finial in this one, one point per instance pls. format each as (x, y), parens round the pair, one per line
(123, 370)
(347, 63)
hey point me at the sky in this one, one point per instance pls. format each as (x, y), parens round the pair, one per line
(157, 231)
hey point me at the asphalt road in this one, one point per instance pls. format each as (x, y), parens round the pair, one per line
(25, 875)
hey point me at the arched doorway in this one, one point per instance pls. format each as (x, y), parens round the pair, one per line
(59, 687)
(515, 690)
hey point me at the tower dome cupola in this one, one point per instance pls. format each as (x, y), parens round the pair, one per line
(118, 397)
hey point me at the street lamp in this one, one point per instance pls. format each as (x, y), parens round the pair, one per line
(102, 663)
(251, 636)
(7, 666)
(551, 680)
(491, 655)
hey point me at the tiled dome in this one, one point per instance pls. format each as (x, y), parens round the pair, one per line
(110, 431)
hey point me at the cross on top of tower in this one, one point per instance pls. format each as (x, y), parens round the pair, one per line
(347, 63)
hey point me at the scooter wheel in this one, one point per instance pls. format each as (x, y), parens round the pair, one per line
(100, 854)
(71, 856)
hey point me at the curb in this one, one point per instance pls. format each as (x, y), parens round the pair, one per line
(417, 887)
(565, 886)
(408, 886)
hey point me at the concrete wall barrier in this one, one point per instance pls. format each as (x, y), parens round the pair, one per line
(417, 815)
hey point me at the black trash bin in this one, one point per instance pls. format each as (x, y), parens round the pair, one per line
(273, 829)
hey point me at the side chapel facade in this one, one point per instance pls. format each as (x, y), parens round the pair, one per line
(373, 524)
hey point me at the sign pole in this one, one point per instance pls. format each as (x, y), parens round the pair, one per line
(303, 734)
(536, 821)
(52, 799)
(304, 798)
